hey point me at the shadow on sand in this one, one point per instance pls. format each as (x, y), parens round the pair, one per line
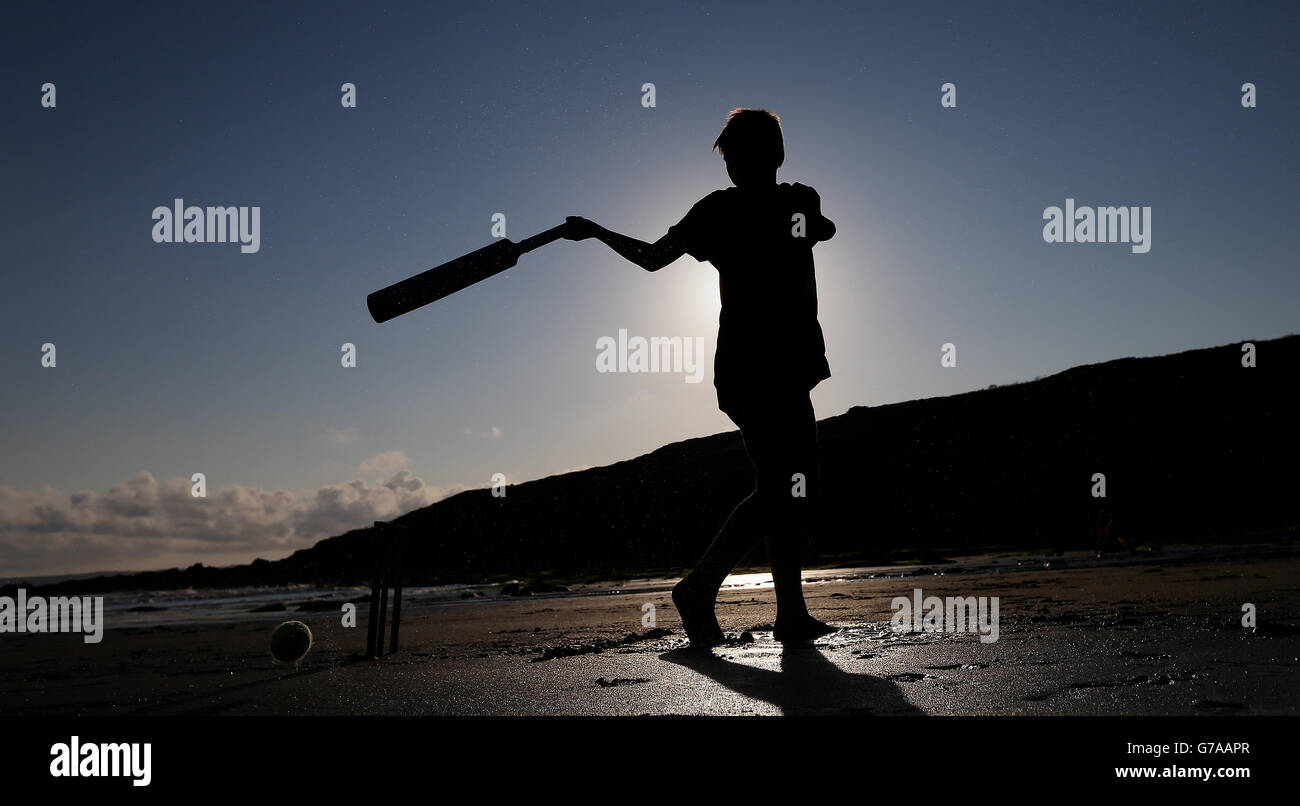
(808, 683)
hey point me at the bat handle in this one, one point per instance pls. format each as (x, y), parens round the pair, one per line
(542, 238)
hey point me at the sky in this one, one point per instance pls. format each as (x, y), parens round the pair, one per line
(180, 358)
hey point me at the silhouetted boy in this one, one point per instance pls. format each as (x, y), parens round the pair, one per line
(759, 235)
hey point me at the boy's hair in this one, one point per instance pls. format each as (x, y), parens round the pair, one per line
(752, 135)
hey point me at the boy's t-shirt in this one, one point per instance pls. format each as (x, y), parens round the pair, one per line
(769, 340)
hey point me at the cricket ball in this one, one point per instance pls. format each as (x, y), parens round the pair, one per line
(290, 641)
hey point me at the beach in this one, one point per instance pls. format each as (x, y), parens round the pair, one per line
(1149, 633)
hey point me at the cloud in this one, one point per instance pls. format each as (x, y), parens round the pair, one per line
(383, 464)
(358, 504)
(143, 523)
(342, 434)
(492, 433)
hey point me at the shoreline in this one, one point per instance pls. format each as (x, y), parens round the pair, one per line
(183, 608)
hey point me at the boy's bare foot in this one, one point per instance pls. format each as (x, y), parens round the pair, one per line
(801, 630)
(696, 610)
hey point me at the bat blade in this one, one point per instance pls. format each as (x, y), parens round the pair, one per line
(440, 281)
(452, 276)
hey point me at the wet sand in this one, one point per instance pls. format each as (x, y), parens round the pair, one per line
(1144, 638)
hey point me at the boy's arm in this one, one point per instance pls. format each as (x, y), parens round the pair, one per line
(820, 227)
(649, 256)
(825, 230)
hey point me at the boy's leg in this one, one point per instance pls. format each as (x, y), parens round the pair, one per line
(784, 554)
(793, 509)
(694, 596)
(740, 533)
(781, 440)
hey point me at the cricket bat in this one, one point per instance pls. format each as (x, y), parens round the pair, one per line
(452, 276)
